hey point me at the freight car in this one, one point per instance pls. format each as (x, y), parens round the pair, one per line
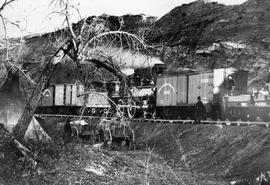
(63, 99)
(177, 94)
(66, 99)
(248, 107)
(223, 92)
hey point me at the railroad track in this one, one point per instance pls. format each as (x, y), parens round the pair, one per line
(66, 116)
(167, 121)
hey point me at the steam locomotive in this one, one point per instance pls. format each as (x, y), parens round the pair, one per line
(224, 93)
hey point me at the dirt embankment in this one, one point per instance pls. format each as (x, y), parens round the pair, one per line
(166, 154)
(225, 152)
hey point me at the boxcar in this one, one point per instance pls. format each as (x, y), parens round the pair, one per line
(177, 94)
(64, 99)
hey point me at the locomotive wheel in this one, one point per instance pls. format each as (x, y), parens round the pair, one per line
(132, 109)
(121, 102)
(144, 114)
(154, 115)
(258, 118)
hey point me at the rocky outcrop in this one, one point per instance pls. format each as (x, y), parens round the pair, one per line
(205, 35)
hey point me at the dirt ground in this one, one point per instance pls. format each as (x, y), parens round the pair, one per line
(84, 164)
(165, 154)
(228, 153)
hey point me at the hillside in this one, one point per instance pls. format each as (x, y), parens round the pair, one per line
(200, 35)
(203, 35)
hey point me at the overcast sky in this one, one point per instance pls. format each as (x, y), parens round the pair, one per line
(34, 16)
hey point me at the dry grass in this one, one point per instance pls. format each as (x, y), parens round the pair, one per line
(78, 163)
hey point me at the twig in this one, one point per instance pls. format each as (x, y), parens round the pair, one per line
(6, 3)
(146, 165)
(58, 180)
(22, 71)
(179, 146)
(6, 37)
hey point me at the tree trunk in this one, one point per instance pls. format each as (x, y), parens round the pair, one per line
(26, 117)
(32, 103)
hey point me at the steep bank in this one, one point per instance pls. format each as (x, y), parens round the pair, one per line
(82, 163)
(224, 153)
(228, 153)
(165, 154)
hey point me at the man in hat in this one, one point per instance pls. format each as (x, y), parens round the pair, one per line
(230, 85)
(199, 111)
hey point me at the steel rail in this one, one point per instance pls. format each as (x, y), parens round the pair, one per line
(167, 121)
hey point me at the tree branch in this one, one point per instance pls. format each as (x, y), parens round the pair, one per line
(6, 38)
(6, 3)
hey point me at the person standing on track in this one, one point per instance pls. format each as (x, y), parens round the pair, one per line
(199, 111)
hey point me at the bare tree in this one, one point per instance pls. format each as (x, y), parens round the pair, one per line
(3, 69)
(10, 51)
(13, 48)
(90, 42)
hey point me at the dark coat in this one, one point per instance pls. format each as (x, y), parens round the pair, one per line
(199, 107)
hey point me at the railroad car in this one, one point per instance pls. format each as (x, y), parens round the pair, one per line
(177, 94)
(223, 91)
(64, 99)
(248, 107)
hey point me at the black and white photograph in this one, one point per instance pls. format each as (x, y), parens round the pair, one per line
(125, 92)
